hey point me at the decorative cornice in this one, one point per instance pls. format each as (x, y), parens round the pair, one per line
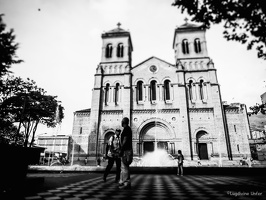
(152, 111)
(198, 70)
(201, 110)
(193, 58)
(83, 114)
(232, 110)
(114, 62)
(118, 74)
(112, 112)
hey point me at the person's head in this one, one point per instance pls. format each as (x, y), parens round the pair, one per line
(117, 132)
(179, 151)
(125, 122)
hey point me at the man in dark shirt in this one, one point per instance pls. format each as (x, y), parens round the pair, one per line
(126, 153)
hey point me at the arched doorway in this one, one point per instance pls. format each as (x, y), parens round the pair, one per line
(202, 147)
(153, 135)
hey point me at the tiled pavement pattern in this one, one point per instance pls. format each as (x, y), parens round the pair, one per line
(150, 186)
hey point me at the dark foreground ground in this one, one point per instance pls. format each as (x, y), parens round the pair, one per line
(153, 185)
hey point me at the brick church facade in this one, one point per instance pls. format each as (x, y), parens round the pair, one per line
(170, 106)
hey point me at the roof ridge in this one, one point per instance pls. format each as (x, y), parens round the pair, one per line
(150, 59)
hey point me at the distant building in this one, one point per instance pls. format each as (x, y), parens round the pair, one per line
(258, 148)
(257, 141)
(257, 135)
(263, 98)
(170, 106)
(55, 146)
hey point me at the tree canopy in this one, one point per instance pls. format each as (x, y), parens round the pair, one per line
(27, 105)
(23, 105)
(243, 20)
(258, 108)
(8, 48)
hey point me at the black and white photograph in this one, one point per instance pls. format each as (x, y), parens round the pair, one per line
(144, 99)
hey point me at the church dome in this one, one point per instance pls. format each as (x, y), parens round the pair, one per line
(116, 32)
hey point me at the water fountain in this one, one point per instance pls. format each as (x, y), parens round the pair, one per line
(159, 157)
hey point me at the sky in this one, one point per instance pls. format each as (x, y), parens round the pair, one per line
(60, 43)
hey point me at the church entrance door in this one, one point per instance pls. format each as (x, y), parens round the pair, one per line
(148, 147)
(154, 135)
(203, 152)
(162, 145)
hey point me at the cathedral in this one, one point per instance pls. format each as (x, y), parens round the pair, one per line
(170, 106)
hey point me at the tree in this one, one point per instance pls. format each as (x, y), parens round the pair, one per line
(25, 104)
(243, 20)
(8, 49)
(8, 57)
(258, 108)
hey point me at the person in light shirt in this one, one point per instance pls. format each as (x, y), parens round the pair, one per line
(112, 154)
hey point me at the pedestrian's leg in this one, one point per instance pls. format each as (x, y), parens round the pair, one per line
(178, 169)
(127, 176)
(122, 180)
(118, 169)
(181, 169)
(108, 168)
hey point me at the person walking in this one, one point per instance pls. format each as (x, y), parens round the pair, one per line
(180, 159)
(112, 154)
(126, 155)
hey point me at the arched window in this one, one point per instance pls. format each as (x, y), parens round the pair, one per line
(107, 90)
(120, 50)
(140, 91)
(116, 93)
(108, 51)
(197, 45)
(166, 90)
(153, 90)
(185, 48)
(201, 93)
(190, 85)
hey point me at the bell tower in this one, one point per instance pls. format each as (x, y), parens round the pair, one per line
(190, 41)
(116, 46)
(198, 73)
(112, 86)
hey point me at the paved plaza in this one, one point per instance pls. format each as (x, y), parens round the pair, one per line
(81, 186)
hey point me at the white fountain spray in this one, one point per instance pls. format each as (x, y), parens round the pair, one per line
(57, 130)
(159, 157)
